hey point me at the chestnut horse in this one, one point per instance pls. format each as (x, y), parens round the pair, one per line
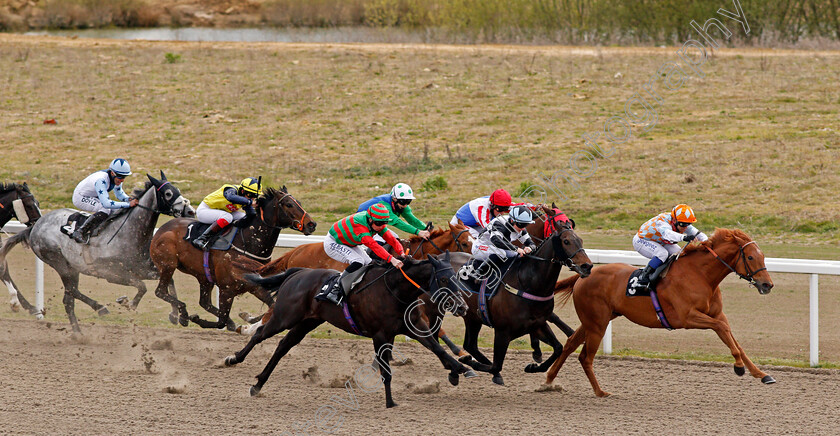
(689, 295)
(276, 210)
(457, 238)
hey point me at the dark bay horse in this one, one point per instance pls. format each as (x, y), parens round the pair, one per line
(523, 301)
(276, 210)
(120, 252)
(379, 309)
(16, 201)
(456, 238)
(689, 295)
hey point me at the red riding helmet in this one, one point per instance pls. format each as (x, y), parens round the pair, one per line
(500, 198)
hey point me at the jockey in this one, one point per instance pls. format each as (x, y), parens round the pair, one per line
(658, 237)
(91, 195)
(476, 214)
(343, 243)
(495, 244)
(225, 205)
(400, 215)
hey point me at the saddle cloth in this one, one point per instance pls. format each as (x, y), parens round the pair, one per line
(223, 242)
(74, 221)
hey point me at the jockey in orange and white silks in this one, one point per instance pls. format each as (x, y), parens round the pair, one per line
(658, 237)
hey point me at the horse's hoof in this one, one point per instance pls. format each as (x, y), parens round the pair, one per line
(465, 359)
(739, 370)
(103, 311)
(245, 316)
(470, 374)
(230, 361)
(173, 318)
(498, 380)
(185, 321)
(531, 368)
(123, 301)
(453, 379)
(537, 355)
(231, 326)
(390, 405)
(15, 307)
(768, 380)
(254, 391)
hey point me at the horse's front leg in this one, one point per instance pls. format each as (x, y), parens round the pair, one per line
(141, 291)
(426, 336)
(163, 292)
(544, 333)
(700, 320)
(223, 312)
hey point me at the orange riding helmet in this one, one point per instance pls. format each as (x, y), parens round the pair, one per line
(682, 213)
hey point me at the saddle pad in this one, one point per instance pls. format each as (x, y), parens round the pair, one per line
(330, 282)
(74, 221)
(223, 242)
(635, 292)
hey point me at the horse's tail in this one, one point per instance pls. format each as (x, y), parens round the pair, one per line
(22, 237)
(275, 266)
(565, 287)
(272, 282)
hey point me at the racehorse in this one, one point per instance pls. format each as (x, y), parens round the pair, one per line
(523, 299)
(16, 201)
(276, 210)
(457, 238)
(120, 252)
(379, 309)
(689, 296)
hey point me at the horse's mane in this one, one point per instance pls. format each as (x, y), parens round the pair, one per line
(435, 233)
(269, 193)
(5, 187)
(720, 235)
(138, 192)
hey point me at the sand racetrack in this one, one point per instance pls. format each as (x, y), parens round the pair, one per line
(133, 380)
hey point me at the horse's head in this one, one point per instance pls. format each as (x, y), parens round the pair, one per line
(749, 265)
(285, 210)
(568, 246)
(462, 240)
(447, 299)
(169, 198)
(26, 208)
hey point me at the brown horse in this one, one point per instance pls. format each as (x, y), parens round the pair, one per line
(276, 210)
(457, 238)
(379, 309)
(689, 295)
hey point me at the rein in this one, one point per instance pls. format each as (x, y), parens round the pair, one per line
(750, 274)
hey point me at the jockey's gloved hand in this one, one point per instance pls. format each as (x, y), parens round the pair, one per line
(689, 238)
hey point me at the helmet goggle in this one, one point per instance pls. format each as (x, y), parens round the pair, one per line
(403, 201)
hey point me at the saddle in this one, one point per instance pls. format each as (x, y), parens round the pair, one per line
(355, 277)
(74, 221)
(223, 242)
(658, 273)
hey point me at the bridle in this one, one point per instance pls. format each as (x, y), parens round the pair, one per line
(741, 255)
(297, 224)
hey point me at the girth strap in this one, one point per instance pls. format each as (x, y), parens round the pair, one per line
(659, 312)
(349, 318)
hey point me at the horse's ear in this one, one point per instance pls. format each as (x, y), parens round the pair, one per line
(572, 222)
(433, 260)
(446, 255)
(154, 181)
(285, 191)
(553, 206)
(162, 176)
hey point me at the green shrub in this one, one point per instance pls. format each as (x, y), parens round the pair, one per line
(436, 183)
(172, 58)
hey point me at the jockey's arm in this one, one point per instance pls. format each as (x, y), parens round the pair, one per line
(415, 222)
(120, 194)
(667, 234)
(378, 250)
(395, 221)
(700, 236)
(102, 192)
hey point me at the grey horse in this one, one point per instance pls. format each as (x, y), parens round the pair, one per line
(16, 201)
(118, 254)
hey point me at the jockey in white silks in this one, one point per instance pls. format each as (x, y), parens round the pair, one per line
(92, 195)
(658, 237)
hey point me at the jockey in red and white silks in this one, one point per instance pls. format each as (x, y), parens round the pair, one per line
(478, 213)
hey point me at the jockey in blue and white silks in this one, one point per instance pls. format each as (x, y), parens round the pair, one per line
(92, 195)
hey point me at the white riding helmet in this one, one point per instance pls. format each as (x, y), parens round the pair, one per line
(401, 191)
(521, 215)
(120, 167)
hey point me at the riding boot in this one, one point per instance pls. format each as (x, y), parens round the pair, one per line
(644, 278)
(208, 237)
(82, 234)
(337, 292)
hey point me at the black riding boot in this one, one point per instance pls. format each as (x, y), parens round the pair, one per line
(82, 234)
(207, 238)
(644, 278)
(338, 291)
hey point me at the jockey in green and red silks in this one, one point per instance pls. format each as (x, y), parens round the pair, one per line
(345, 240)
